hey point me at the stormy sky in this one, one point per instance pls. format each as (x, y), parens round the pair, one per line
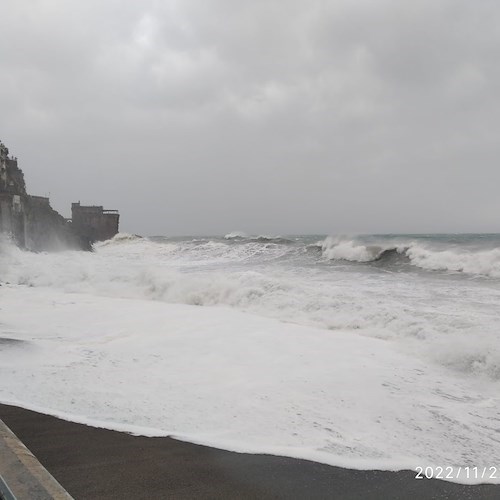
(271, 117)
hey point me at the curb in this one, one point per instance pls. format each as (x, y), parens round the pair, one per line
(22, 476)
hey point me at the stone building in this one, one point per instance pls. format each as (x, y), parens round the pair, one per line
(94, 222)
(32, 223)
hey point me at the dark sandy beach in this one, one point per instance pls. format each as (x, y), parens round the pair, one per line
(100, 464)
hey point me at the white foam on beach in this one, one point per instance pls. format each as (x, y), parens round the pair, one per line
(233, 380)
(347, 367)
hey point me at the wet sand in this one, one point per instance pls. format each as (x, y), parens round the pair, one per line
(100, 464)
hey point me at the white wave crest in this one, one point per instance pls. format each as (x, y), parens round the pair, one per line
(236, 234)
(479, 262)
(486, 262)
(119, 238)
(349, 250)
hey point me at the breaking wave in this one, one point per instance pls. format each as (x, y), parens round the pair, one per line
(119, 238)
(235, 234)
(458, 260)
(352, 251)
(486, 263)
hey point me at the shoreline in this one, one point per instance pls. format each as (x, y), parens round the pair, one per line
(229, 446)
(97, 463)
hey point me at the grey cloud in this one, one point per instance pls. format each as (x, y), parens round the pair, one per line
(265, 116)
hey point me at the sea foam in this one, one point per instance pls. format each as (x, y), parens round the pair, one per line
(341, 356)
(237, 381)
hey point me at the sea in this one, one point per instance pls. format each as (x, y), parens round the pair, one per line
(362, 351)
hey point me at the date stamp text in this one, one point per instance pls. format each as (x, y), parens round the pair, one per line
(450, 472)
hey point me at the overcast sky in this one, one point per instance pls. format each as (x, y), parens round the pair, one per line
(276, 117)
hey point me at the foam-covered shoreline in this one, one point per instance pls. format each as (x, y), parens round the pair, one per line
(237, 381)
(348, 364)
(145, 467)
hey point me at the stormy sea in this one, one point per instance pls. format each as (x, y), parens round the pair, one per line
(369, 352)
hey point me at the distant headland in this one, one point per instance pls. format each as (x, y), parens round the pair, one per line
(33, 224)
